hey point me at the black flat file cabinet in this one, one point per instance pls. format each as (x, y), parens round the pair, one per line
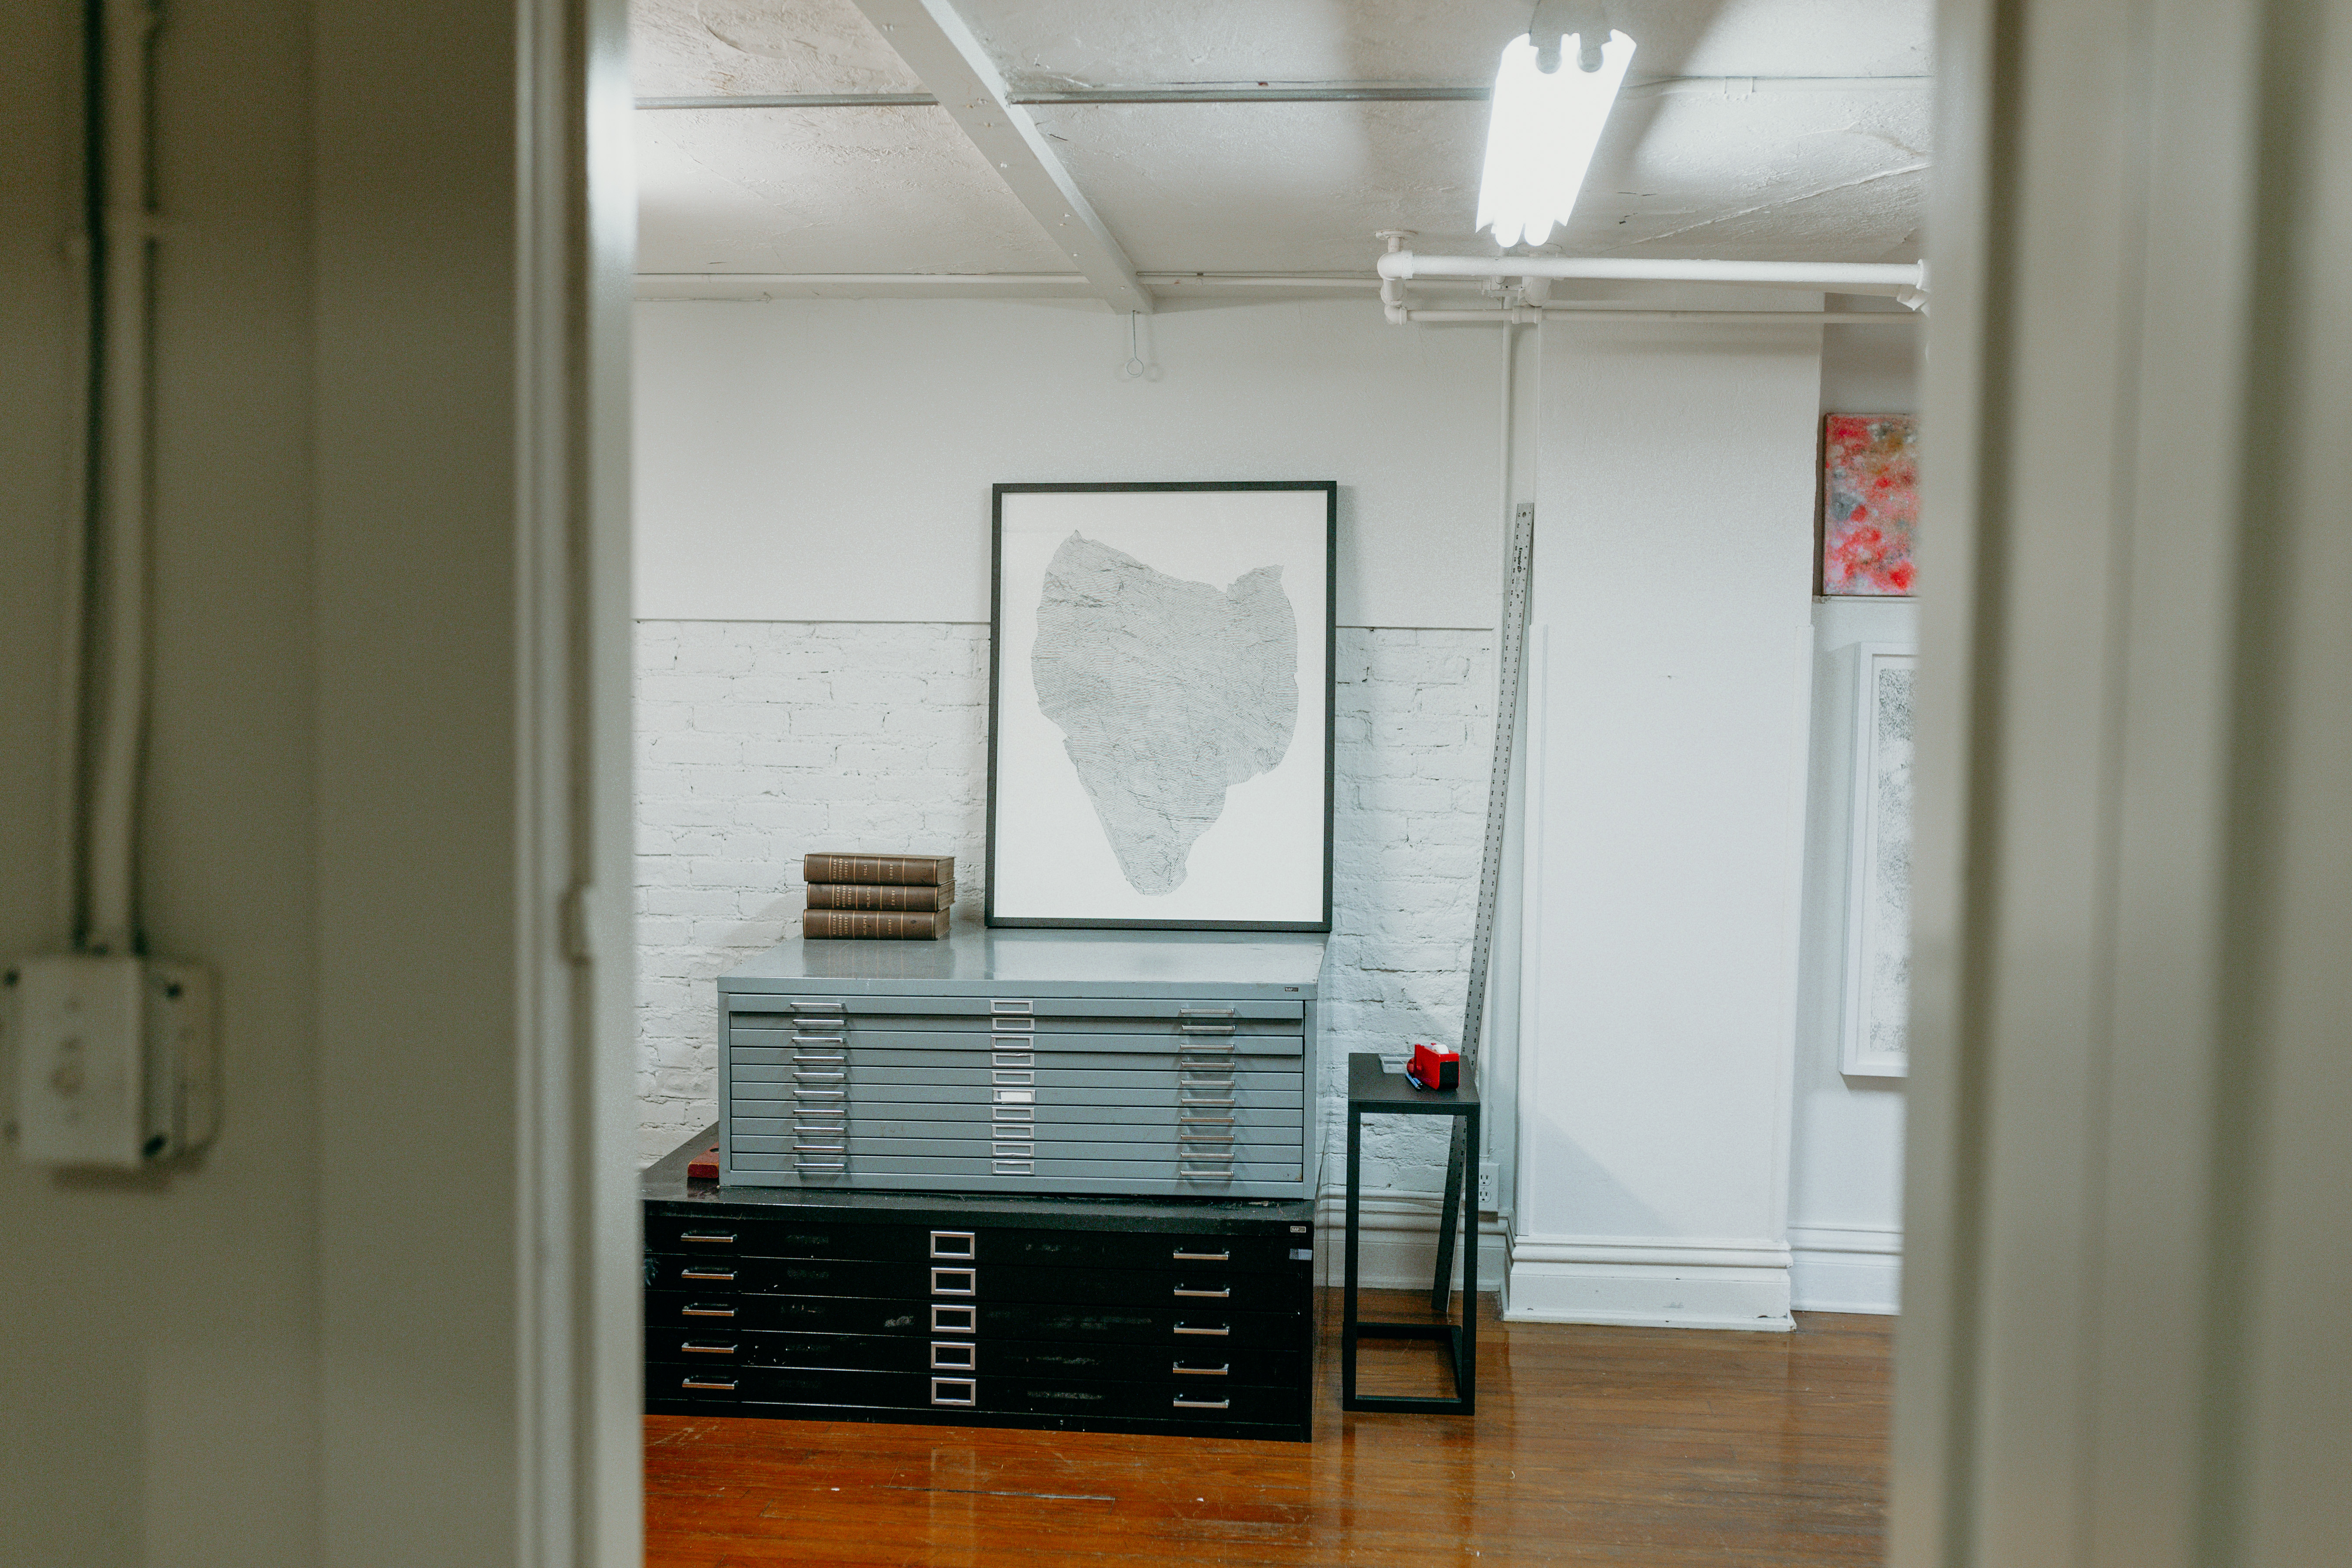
(1105, 1314)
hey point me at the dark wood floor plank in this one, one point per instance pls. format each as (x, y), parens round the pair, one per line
(1636, 1447)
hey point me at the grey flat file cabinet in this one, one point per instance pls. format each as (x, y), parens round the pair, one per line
(1160, 1063)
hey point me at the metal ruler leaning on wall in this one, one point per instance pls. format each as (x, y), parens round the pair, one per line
(1511, 653)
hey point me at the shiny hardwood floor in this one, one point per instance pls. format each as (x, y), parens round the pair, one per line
(1648, 1447)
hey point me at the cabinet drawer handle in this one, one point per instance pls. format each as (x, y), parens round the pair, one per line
(1179, 1370)
(711, 1383)
(722, 1274)
(955, 1355)
(798, 1006)
(962, 1391)
(1224, 1257)
(706, 1311)
(1205, 1137)
(955, 1281)
(955, 1244)
(1181, 1099)
(1205, 1012)
(1210, 1330)
(835, 1061)
(954, 1319)
(821, 1076)
(1189, 1027)
(1180, 1403)
(801, 1093)
(690, 1348)
(708, 1238)
(1220, 1294)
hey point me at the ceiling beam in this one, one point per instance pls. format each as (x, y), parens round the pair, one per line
(948, 59)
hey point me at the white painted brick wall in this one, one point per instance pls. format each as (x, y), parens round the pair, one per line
(759, 742)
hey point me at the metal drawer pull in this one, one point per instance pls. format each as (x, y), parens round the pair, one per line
(1014, 1114)
(835, 1038)
(800, 1006)
(1011, 1075)
(1179, 1369)
(820, 1148)
(995, 1006)
(822, 1166)
(1191, 1028)
(964, 1391)
(1182, 1101)
(955, 1281)
(1205, 1137)
(706, 1311)
(1180, 1403)
(955, 1244)
(801, 1073)
(728, 1275)
(708, 1238)
(1219, 1331)
(954, 1319)
(1016, 1097)
(1021, 1023)
(1219, 1294)
(1204, 1121)
(839, 1059)
(712, 1384)
(690, 1348)
(800, 1092)
(1186, 1152)
(1012, 1167)
(1224, 1257)
(1205, 1012)
(1190, 1175)
(954, 1355)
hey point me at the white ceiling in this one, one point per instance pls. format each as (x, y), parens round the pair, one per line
(1771, 169)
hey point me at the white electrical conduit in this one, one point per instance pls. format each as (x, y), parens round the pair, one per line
(1898, 279)
(119, 651)
(1528, 315)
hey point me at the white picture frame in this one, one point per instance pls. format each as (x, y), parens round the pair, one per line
(1875, 1038)
(1160, 706)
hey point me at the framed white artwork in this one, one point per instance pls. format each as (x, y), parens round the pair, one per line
(1160, 706)
(1878, 877)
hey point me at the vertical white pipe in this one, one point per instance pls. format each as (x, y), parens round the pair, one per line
(119, 654)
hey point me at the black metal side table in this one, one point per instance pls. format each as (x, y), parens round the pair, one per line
(1372, 1090)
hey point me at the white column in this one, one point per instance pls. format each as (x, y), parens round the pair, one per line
(1671, 644)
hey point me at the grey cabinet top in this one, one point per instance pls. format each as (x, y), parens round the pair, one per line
(979, 961)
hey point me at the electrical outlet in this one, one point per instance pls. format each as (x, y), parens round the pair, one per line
(1490, 1182)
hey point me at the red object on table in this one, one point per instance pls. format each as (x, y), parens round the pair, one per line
(704, 1167)
(1432, 1068)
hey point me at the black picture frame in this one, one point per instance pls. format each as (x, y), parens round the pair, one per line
(1330, 490)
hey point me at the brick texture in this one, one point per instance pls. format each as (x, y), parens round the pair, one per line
(759, 742)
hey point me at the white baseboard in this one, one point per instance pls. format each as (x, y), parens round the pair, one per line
(1397, 1238)
(1845, 1268)
(1675, 1282)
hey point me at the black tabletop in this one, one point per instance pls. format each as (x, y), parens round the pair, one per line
(1371, 1087)
(665, 1187)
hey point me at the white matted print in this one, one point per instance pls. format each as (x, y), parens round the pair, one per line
(1160, 720)
(1878, 882)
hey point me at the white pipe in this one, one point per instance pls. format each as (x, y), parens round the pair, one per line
(1843, 276)
(119, 655)
(1527, 314)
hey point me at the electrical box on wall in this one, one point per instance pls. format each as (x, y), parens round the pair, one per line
(113, 1061)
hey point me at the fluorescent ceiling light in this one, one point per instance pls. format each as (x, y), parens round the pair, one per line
(1540, 139)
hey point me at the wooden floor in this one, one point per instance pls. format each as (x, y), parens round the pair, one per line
(1656, 1447)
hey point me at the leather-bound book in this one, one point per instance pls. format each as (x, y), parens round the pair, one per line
(885, 870)
(875, 896)
(899, 925)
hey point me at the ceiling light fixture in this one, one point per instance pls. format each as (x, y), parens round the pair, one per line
(1549, 111)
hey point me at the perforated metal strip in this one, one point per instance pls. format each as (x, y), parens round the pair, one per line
(1511, 654)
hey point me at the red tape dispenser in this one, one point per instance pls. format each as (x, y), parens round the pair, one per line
(1432, 1068)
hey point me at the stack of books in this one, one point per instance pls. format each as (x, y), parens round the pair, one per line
(902, 897)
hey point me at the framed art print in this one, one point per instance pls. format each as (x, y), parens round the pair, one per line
(1160, 706)
(1878, 879)
(1870, 504)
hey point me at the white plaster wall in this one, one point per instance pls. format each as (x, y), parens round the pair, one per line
(760, 740)
(831, 459)
(1846, 1179)
(1673, 582)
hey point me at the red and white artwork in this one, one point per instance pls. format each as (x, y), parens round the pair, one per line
(1870, 506)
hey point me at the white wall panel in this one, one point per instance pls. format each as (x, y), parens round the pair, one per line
(830, 460)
